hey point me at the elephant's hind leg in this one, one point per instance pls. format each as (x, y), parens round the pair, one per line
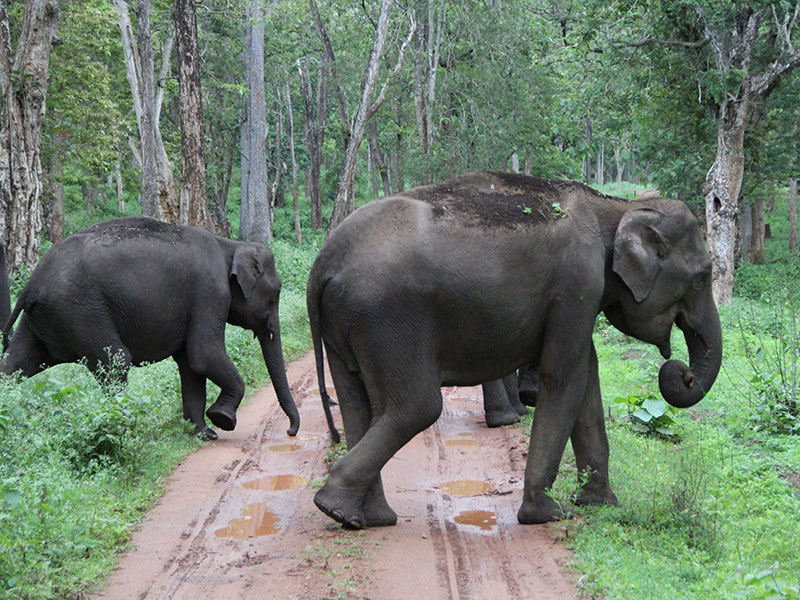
(402, 406)
(357, 415)
(26, 352)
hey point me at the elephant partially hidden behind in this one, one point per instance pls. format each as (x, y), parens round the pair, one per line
(136, 290)
(462, 282)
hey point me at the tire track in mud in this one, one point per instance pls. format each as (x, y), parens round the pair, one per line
(456, 488)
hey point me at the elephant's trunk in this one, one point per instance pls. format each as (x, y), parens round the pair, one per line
(272, 350)
(684, 386)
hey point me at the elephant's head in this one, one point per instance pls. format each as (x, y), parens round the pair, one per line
(665, 275)
(255, 291)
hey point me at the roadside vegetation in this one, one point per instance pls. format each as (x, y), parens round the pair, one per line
(709, 497)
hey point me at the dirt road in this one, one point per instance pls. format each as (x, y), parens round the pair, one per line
(238, 520)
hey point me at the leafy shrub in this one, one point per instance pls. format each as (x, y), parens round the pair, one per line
(772, 350)
(649, 414)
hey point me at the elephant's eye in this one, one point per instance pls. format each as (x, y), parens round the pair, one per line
(701, 280)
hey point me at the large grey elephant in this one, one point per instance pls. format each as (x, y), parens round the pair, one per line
(462, 282)
(136, 290)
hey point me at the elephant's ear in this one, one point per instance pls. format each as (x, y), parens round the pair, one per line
(245, 269)
(639, 247)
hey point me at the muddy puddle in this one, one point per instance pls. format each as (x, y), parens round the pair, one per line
(482, 519)
(256, 521)
(466, 487)
(277, 483)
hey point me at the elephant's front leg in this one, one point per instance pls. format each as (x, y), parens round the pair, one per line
(562, 387)
(590, 443)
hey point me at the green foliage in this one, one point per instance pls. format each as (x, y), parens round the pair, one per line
(772, 349)
(649, 414)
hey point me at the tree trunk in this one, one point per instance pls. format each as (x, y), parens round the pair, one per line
(314, 135)
(118, 188)
(599, 173)
(380, 161)
(54, 213)
(193, 209)
(528, 168)
(620, 167)
(757, 248)
(159, 197)
(792, 213)
(344, 202)
(397, 175)
(276, 192)
(298, 232)
(745, 234)
(723, 184)
(24, 81)
(258, 224)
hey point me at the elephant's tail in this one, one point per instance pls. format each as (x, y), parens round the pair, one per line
(313, 295)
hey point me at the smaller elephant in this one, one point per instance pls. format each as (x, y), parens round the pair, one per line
(135, 290)
(501, 401)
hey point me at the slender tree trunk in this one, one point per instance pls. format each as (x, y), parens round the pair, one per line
(380, 161)
(528, 168)
(792, 213)
(620, 167)
(118, 187)
(23, 82)
(258, 224)
(344, 202)
(276, 192)
(314, 135)
(397, 175)
(757, 249)
(54, 214)
(193, 202)
(599, 174)
(298, 232)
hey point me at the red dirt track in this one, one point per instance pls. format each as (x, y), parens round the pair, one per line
(238, 519)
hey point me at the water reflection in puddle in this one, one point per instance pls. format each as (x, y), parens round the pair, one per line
(255, 521)
(277, 483)
(466, 487)
(461, 442)
(285, 447)
(482, 519)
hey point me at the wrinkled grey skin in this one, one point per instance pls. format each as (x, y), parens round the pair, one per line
(136, 290)
(462, 282)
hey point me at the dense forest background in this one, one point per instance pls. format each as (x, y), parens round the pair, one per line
(216, 113)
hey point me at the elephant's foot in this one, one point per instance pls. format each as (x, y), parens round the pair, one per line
(205, 433)
(498, 418)
(341, 507)
(596, 495)
(527, 397)
(222, 415)
(540, 509)
(377, 511)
